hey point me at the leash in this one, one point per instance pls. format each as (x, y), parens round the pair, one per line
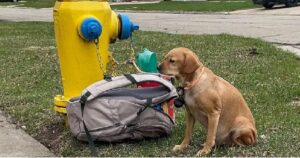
(179, 101)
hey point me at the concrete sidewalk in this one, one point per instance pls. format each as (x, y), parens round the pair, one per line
(14, 142)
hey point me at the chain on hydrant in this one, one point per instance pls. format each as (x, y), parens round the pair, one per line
(112, 61)
(96, 42)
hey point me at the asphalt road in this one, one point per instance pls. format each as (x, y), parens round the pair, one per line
(281, 26)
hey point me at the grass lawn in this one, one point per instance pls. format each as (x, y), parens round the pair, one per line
(269, 81)
(206, 6)
(31, 3)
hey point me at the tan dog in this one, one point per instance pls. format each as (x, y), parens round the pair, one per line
(212, 101)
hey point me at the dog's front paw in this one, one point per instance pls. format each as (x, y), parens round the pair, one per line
(203, 152)
(179, 148)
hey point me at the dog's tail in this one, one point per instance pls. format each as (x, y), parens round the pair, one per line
(244, 136)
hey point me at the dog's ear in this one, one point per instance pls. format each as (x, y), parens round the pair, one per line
(191, 63)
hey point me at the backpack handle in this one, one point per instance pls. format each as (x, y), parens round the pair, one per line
(125, 80)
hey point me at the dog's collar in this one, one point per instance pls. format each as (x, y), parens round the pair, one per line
(195, 81)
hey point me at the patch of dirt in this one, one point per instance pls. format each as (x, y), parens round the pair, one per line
(52, 136)
(246, 52)
(296, 102)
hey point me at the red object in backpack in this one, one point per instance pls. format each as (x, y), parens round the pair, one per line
(169, 109)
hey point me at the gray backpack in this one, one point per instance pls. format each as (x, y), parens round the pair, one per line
(109, 111)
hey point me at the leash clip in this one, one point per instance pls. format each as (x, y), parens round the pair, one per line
(179, 101)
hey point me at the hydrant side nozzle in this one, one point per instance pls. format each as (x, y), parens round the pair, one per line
(126, 26)
(90, 29)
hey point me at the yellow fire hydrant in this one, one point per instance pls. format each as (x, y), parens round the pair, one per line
(83, 31)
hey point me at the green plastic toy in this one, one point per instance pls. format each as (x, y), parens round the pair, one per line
(147, 61)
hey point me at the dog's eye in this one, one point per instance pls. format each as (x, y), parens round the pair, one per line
(172, 61)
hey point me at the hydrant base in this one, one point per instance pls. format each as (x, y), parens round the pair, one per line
(60, 104)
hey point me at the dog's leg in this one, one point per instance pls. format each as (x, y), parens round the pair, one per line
(213, 120)
(190, 121)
